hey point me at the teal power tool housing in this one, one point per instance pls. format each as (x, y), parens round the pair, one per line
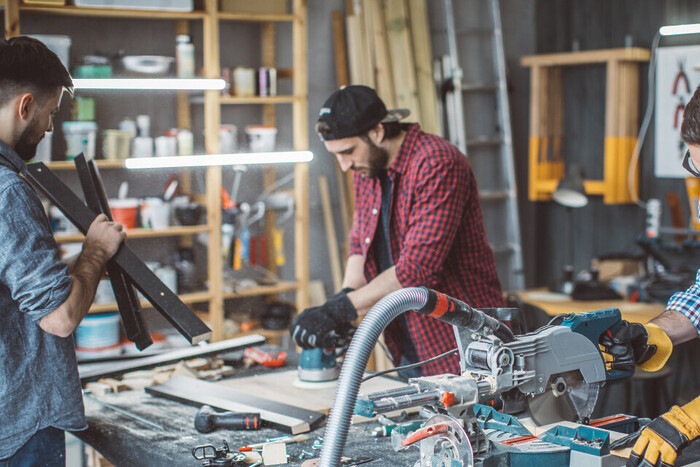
(317, 365)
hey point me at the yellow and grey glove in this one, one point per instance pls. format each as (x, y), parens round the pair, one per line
(661, 440)
(633, 344)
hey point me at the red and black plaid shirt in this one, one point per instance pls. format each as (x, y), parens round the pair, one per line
(437, 239)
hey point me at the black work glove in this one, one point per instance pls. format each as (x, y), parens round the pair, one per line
(629, 346)
(327, 325)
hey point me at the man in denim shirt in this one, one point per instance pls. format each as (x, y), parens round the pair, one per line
(42, 300)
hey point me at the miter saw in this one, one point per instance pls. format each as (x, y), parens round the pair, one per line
(510, 387)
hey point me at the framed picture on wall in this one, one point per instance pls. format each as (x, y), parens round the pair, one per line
(677, 76)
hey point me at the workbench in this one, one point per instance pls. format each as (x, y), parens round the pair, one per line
(124, 440)
(558, 303)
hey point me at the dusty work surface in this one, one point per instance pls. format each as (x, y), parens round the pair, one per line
(285, 387)
(125, 441)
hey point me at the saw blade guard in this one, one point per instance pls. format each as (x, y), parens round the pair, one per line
(442, 441)
(594, 324)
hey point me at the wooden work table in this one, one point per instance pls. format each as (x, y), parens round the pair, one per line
(124, 440)
(557, 303)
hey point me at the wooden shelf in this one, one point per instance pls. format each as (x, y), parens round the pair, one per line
(258, 100)
(264, 290)
(232, 100)
(69, 10)
(196, 297)
(254, 17)
(585, 57)
(143, 233)
(102, 164)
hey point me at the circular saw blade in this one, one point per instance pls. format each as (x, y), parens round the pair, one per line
(573, 402)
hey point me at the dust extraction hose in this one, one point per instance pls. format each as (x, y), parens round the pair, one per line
(355, 363)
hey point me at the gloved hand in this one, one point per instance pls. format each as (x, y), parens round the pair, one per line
(326, 325)
(634, 344)
(662, 439)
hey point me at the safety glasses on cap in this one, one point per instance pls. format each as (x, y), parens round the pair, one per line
(689, 166)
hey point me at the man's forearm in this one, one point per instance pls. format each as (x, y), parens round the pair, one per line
(86, 273)
(676, 325)
(354, 272)
(367, 296)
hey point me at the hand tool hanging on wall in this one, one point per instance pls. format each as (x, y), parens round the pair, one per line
(136, 272)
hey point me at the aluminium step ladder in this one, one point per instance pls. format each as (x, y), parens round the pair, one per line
(476, 118)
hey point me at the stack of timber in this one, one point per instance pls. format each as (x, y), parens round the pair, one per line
(388, 43)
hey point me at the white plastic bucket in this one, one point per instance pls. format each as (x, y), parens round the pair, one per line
(80, 137)
(98, 331)
(261, 138)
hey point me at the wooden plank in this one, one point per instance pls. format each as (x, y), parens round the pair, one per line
(587, 57)
(116, 369)
(402, 63)
(275, 414)
(354, 53)
(382, 58)
(340, 48)
(418, 13)
(331, 237)
(368, 57)
(11, 18)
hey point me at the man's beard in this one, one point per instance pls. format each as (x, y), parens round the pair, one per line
(378, 158)
(25, 146)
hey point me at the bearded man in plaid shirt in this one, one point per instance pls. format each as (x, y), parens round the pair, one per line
(417, 222)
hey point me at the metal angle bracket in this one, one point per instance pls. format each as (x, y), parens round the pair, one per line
(158, 294)
(125, 294)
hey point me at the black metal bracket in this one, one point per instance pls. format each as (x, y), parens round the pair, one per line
(127, 300)
(125, 262)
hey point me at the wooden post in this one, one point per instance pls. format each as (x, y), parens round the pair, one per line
(212, 119)
(301, 142)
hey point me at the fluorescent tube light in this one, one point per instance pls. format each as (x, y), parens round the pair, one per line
(679, 29)
(165, 84)
(218, 159)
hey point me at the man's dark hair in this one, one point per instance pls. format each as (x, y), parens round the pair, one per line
(391, 129)
(27, 65)
(690, 128)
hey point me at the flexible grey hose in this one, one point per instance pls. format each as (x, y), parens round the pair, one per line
(355, 363)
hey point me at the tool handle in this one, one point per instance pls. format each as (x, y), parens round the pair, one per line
(593, 325)
(237, 421)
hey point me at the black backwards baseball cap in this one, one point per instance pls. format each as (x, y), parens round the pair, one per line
(354, 110)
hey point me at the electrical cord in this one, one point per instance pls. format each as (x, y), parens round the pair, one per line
(634, 162)
(552, 321)
(412, 365)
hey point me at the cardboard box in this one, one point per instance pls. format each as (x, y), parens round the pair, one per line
(258, 6)
(609, 269)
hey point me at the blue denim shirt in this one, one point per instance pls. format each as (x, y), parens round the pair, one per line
(39, 383)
